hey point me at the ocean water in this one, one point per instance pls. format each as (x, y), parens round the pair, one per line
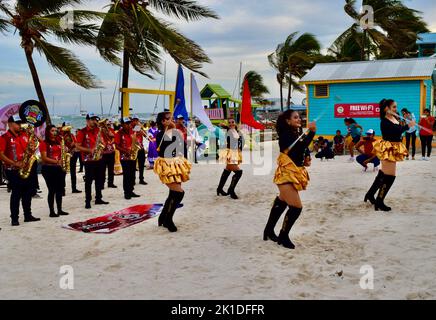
(78, 122)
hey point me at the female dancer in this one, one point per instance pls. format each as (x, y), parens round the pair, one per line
(291, 176)
(355, 131)
(389, 150)
(171, 167)
(54, 176)
(152, 146)
(232, 156)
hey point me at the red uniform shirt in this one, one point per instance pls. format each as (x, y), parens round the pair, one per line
(110, 148)
(124, 140)
(53, 151)
(140, 139)
(427, 123)
(87, 138)
(368, 147)
(183, 131)
(13, 146)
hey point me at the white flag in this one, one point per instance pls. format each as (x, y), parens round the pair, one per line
(197, 106)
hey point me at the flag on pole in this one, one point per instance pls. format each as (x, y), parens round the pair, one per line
(197, 106)
(246, 110)
(179, 103)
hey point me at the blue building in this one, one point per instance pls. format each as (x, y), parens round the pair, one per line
(354, 89)
(426, 44)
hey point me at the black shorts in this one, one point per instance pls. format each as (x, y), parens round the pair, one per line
(356, 139)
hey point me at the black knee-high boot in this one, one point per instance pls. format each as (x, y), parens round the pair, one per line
(177, 199)
(278, 207)
(387, 183)
(235, 179)
(165, 208)
(291, 216)
(225, 175)
(370, 195)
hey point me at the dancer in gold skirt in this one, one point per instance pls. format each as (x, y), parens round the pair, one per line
(389, 150)
(291, 176)
(232, 157)
(172, 167)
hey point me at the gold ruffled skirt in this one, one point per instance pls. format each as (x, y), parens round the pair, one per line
(172, 170)
(390, 151)
(288, 173)
(230, 156)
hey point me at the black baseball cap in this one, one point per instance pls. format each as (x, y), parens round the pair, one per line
(15, 119)
(92, 115)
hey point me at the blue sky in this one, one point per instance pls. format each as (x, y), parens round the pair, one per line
(247, 31)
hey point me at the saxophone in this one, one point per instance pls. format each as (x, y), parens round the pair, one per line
(98, 153)
(29, 157)
(65, 157)
(135, 148)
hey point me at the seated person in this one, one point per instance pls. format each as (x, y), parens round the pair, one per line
(365, 147)
(324, 149)
(339, 143)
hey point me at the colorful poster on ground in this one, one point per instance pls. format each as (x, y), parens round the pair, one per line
(117, 220)
(357, 110)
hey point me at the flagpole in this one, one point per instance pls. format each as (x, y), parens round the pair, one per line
(192, 120)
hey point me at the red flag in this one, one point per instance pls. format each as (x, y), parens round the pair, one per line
(246, 111)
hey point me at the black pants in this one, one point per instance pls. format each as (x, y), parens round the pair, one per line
(129, 176)
(411, 137)
(141, 164)
(34, 179)
(81, 163)
(54, 177)
(73, 169)
(21, 190)
(426, 145)
(93, 173)
(109, 163)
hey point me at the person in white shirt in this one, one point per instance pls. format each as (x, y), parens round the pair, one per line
(411, 133)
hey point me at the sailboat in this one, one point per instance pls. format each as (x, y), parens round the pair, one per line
(53, 115)
(83, 112)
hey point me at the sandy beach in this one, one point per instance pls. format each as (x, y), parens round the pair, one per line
(219, 253)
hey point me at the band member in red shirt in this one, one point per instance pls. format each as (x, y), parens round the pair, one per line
(12, 150)
(124, 141)
(87, 144)
(51, 155)
(136, 125)
(109, 154)
(426, 133)
(70, 143)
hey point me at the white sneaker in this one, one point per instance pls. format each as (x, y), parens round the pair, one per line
(427, 158)
(351, 159)
(423, 159)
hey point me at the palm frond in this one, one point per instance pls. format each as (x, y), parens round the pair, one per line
(44, 6)
(64, 61)
(183, 9)
(4, 24)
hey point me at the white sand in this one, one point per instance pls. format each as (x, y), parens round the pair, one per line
(218, 252)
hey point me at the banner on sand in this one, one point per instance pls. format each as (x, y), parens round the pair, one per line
(118, 220)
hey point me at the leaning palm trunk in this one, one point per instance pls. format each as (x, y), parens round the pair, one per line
(125, 84)
(281, 95)
(37, 83)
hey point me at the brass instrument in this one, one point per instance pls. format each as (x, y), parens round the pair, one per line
(135, 148)
(29, 157)
(99, 148)
(65, 157)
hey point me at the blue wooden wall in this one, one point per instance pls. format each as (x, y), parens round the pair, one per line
(406, 93)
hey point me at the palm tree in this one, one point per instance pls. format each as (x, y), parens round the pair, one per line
(278, 61)
(301, 53)
(347, 49)
(37, 20)
(256, 85)
(141, 37)
(292, 59)
(395, 32)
